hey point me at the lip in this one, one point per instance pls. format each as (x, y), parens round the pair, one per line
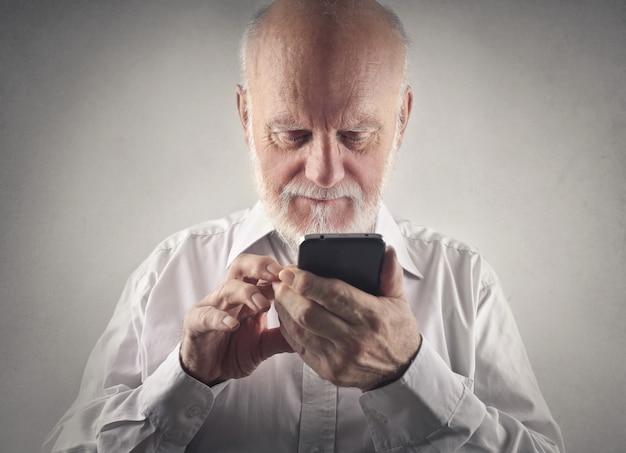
(320, 200)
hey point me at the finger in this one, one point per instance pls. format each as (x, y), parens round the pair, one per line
(253, 268)
(234, 294)
(289, 329)
(204, 319)
(273, 342)
(391, 275)
(304, 318)
(266, 289)
(307, 345)
(336, 296)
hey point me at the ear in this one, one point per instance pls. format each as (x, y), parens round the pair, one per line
(405, 111)
(242, 108)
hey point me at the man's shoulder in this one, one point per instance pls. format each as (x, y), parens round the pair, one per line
(425, 237)
(216, 230)
(193, 250)
(430, 249)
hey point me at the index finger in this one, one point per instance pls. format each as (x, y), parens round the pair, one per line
(336, 296)
(254, 268)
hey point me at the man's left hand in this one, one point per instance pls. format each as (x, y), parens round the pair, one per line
(349, 337)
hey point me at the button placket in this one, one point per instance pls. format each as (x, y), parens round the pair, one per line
(318, 416)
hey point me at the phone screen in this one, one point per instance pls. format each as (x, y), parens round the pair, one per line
(354, 258)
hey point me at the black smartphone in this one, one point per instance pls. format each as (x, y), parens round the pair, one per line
(355, 258)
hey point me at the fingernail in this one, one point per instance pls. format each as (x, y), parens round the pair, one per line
(274, 269)
(287, 276)
(259, 301)
(230, 322)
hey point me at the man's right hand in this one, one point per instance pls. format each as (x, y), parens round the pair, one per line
(225, 335)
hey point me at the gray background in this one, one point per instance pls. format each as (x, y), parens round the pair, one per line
(118, 127)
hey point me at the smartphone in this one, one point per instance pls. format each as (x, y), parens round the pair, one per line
(355, 258)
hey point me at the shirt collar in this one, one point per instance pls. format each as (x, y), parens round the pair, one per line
(256, 226)
(387, 226)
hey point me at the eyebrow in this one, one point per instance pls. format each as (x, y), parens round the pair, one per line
(362, 127)
(289, 125)
(277, 126)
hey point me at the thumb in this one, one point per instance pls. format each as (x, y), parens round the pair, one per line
(272, 342)
(391, 283)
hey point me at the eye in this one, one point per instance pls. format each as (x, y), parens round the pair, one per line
(354, 140)
(294, 138)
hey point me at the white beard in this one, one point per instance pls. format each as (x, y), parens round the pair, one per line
(322, 217)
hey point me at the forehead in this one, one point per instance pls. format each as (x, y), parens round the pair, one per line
(345, 96)
(355, 85)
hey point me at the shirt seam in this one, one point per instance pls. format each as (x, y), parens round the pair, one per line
(452, 413)
(91, 448)
(184, 234)
(467, 248)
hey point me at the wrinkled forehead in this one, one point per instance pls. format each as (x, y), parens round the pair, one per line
(342, 91)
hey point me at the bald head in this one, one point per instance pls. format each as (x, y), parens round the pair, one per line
(323, 32)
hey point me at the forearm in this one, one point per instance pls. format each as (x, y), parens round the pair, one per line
(166, 410)
(433, 409)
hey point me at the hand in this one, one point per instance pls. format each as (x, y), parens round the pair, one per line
(225, 335)
(349, 337)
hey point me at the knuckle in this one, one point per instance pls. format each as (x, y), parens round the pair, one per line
(305, 283)
(373, 321)
(250, 267)
(242, 266)
(305, 315)
(220, 294)
(319, 288)
(236, 267)
(232, 293)
(206, 318)
(342, 293)
(199, 320)
(223, 295)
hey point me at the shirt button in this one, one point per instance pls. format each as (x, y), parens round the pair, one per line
(193, 411)
(316, 449)
(381, 418)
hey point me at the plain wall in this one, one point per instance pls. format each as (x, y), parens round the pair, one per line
(118, 127)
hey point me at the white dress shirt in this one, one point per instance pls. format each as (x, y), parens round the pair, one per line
(470, 388)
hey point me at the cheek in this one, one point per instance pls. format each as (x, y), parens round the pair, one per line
(277, 167)
(367, 170)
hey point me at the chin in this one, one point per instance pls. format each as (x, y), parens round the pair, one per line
(293, 225)
(322, 225)
(295, 216)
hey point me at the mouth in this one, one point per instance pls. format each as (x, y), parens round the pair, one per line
(322, 200)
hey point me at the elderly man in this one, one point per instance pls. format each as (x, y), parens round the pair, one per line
(273, 358)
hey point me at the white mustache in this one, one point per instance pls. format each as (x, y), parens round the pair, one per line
(348, 189)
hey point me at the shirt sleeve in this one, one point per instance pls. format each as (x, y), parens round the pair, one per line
(119, 407)
(433, 409)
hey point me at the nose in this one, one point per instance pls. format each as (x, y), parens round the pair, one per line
(324, 165)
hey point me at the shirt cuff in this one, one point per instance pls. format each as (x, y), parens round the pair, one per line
(174, 402)
(421, 402)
